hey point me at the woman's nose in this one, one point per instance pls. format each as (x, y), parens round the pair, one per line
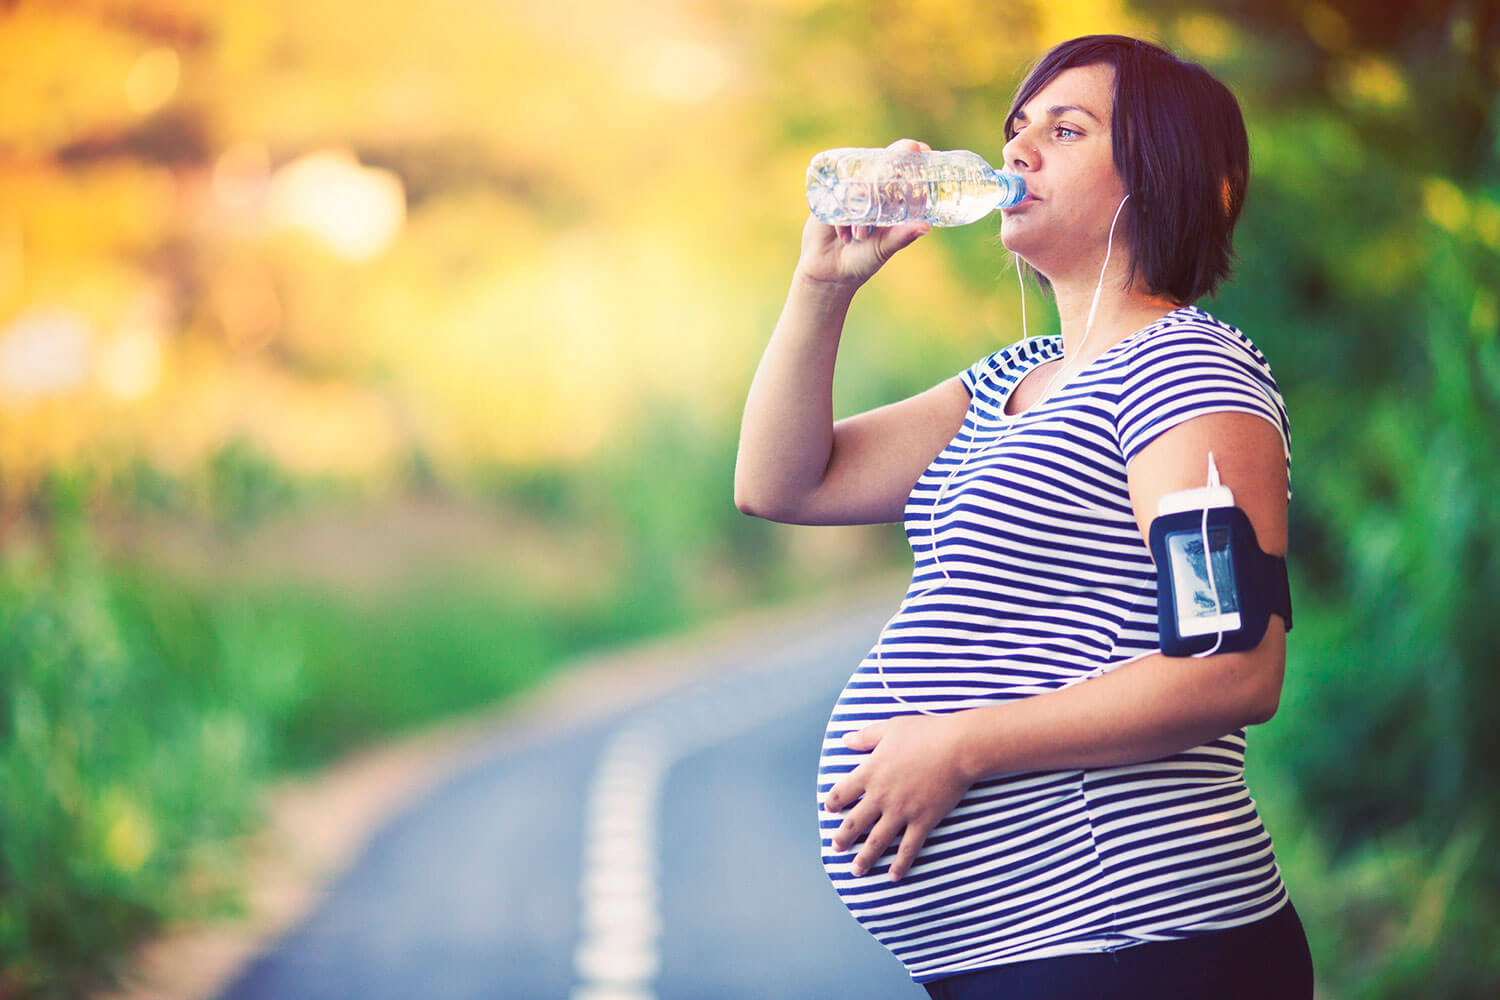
(1018, 154)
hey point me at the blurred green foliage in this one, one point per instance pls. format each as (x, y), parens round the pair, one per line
(123, 764)
(143, 708)
(141, 711)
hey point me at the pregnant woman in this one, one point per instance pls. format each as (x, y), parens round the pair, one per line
(1020, 794)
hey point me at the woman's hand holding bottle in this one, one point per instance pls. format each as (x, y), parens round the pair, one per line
(847, 256)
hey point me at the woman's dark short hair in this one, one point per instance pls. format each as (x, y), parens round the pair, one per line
(1181, 150)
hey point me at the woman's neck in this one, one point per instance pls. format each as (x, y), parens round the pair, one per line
(1121, 312)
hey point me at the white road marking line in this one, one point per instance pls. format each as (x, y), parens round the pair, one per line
(618, 954)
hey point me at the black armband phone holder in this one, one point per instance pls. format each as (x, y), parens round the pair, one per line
(1250, 585)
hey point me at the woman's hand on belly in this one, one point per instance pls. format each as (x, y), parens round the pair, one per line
(909, 782)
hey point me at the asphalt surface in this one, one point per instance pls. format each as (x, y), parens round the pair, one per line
(668, 852)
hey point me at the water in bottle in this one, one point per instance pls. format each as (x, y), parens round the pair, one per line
(884, 187)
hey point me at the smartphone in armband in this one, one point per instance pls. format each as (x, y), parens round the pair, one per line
(1216, 587)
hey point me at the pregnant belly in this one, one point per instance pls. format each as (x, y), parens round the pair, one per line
(1015, 852)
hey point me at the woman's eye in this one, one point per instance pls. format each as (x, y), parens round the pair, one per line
(1063, 132)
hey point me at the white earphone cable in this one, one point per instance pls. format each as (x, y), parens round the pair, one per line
(969, 448)
(1021, 282)
(1208, 561)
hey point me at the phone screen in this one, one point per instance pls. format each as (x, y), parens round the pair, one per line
(1198, 610)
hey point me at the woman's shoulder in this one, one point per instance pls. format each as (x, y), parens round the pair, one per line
(1188, 364)
(1193, 332)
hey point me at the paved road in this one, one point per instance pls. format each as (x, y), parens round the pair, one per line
(666, 853)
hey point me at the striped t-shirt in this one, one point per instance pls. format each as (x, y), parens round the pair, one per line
(1031, 575)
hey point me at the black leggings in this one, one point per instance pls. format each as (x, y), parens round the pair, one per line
(1266, 960)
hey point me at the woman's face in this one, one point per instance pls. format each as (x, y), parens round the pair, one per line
(1064, 149)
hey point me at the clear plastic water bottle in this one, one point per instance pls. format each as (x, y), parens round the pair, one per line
(884, 187)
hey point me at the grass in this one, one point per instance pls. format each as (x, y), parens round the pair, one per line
(144, 699)
(140, 713)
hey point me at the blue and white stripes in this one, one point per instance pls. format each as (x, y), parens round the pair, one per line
(1030, 575)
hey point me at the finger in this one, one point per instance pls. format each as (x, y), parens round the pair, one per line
(906, 854)
(898, 237)
(866, 738)
(861, 818)
(817, 227)
(879, 839)
(850, 787)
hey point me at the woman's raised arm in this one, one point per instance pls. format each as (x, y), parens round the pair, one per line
(795, 464)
